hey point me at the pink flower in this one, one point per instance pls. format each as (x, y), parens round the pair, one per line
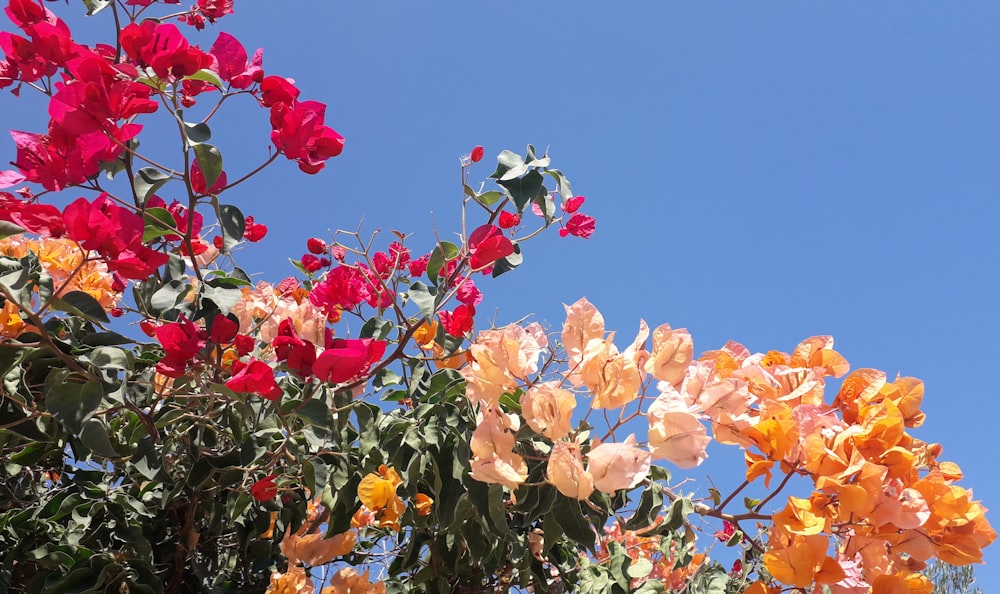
(233, 67)
(181, 341)
(255, 377)
(579, 225)
(573, 204)
(347, 359)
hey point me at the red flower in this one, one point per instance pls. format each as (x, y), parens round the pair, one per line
(223, 330)
(232, 62)
(476, 155)
(579, 225)
(181, 341)
(215, 9)
(573, 204)
(459, 322)
(264, 489)
(347, 359)
(343, 288)
(255, 377)
(487, 244)
(243, 344)
(253, 231)
(509, 219)
(297, 353)
(316, 246)
(311, 263)
(419, 266)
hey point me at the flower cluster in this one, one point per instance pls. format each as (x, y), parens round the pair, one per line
(882, 501)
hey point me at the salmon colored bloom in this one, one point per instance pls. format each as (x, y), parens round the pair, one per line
(548, 409)
(617, 466)
(349, 581)
(565, 470)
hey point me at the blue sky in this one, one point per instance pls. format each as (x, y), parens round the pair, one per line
(760, 171)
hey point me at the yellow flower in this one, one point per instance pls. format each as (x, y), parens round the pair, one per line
(378, 493)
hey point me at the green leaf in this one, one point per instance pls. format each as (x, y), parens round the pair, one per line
(506, 161)
(489, 198)
(508, 263)
(82, 304)
(196, 133)
(206, 75)
(574, 521)
(523, 190)
(96, 6)
(533, 161)
(648, 509)
(147, 181)
(640, 568)
(8, 229)
(210, 162)
(222, 294)
(425, 298)
(73, 404)
(565, 190)
(107, 357)
(168, 296)
(94, 435)
(443, 252)
(233, 225)
(159, 222)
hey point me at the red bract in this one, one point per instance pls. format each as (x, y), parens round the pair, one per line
(231, 60)
(509, 219)
(113, 232)
(419, 266)
(253, 231)
(264, 489)
(8, 73)
(487, 244)
(343, 288)
(181, 341)
(215, 9)
(476, 155)
(347, 359)
(459, 322)
(468, 293)
(299, 133)
(25, 13)
(97, 97)
(311, 263)
(59, 159)
(297, 353)
(573, 204)
(244, 344)
(223, 330)
(275, 90)
(316, 245)
(579, 225)
(170, 55)
(43, 219)
(256, 377)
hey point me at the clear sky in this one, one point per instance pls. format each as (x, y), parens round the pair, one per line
(759, 171)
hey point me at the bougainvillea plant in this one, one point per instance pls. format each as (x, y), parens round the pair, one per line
(167, 425)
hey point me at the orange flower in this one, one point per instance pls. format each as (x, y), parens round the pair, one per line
(424, 335)
(378, 493)
(316, 549)
(566, 472)
(423, 504)
(294, 581)
(548, 409)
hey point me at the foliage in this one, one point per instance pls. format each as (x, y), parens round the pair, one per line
(245, 440)
(952, 579)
